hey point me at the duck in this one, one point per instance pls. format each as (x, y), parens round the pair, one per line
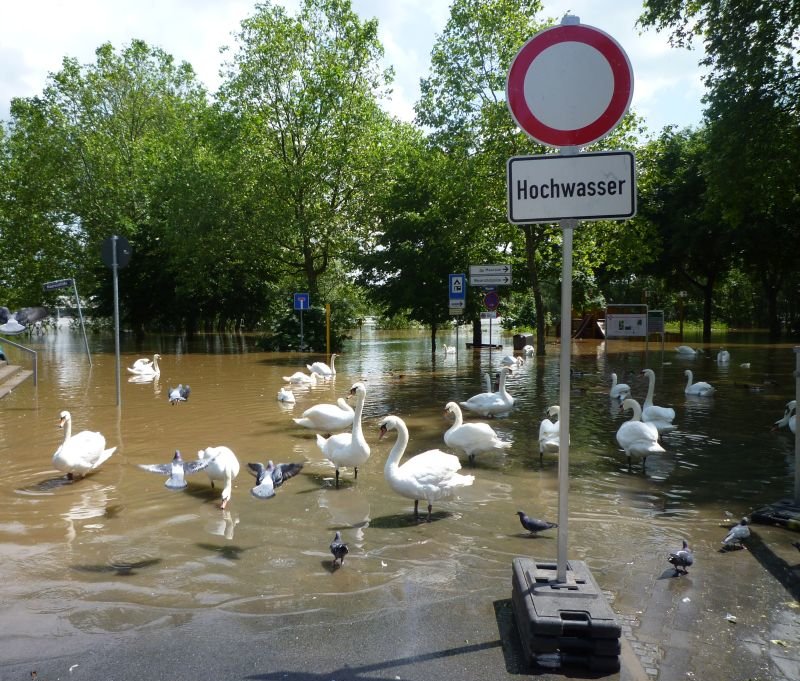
(681, 559)
(430, 475)
(327, 417)
(660, 417)
(549, 433)
(81, 453)
(738, 533)
(348, 449)
(471, 438)
(179, 394)
(271, 476)
(700, 388)
(619, 390)
(286, 395)
(723, 356)
(635, 436)
(789, 417)
(146, 367)
(177, 470)
(222, 466)
(300, 378)
(323, 370)
(686, 350)
(490, 404)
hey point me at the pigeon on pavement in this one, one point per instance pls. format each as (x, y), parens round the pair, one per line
(338, 549)
(534, 525)
(737, 535)
(681, 559)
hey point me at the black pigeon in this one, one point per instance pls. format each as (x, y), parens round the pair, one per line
(176, 469)
(681, 559)
(12, 323)
(338, 549)
(179, 394)
(534, 525)
(270, 477)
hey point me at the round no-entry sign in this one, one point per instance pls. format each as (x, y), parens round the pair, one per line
(569, 85)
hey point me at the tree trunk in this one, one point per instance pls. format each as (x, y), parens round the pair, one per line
(708, 293)
(433, 338)
(533, 272)
(477, 333)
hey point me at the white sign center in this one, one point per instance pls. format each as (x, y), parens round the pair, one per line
(582, 79)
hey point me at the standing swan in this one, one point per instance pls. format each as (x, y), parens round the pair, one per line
(619, 390)
(471, 438)
(348, 449)
(222, 466)
(492, 404)
(700, 388)
(81, 453)
(322, 369)
(431, 475)
(660, 417)
(636, 437)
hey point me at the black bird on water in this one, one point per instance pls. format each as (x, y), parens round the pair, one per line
(534, 525)
(681, 559)
(338, 549)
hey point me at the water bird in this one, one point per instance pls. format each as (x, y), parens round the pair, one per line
(338, 549)
(271, 476)
(738, 533)
(789, 418)
(534, 525)
(177, 470)
(512, 361)
(660, 417)
(179, 394)
(635, 436)
(327, 417)
(348, 449)
(700, 388)
(300, 378)
(146, 367)
(323, 370)
(449, 349)
(723, 356)
(222, 466)
(489, 403)
(619, 390)
(286, 395)
(549, 433)
(528, 350)
(81, 453)
(471, 438)
(681, 559)
(430, 475)
(745, 365)
(686, 350)
(12, 323)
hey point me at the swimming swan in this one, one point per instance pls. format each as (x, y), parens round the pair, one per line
(146, 367)
(550, 433)
(327, 417)
(660, 417)
(492, 404)
(619, 390)
(431, 475)
(322, 369)
(700, 388)
(80, 453)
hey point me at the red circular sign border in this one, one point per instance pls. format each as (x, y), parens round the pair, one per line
(620, 99)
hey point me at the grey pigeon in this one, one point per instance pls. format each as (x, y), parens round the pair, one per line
(681, 559)
(179, 394)
(796, 544)
(177, 469)
(338, 549)
(534, 525)
(270, 477)
(737, 535)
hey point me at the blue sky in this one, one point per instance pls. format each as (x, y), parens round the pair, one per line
(36, 35)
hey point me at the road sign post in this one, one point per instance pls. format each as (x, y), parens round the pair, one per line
(116, 253)
(301, 302)
(568, 86)
(457, 294)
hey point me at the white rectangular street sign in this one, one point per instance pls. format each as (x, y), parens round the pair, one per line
(490, 280)
(489, 315)
(489, 269)
(587, 186)
(456, 311)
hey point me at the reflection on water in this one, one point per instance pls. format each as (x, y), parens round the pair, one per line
(83, 549)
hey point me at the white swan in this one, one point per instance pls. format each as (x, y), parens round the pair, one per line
(431, 475)
(471, 438)
(789, 417)
(619, 390)
(492, 404)
(686, 350)
(146, 367)
(660, 417)
(222, 466)
(549, 433)
(512, 361)
(327, 417)
(322, 369)
(700, 388)
(449, 349)
(723, 356)
(635, 436)
(348, 449)
(80, 453)
(528, 350)
(286, 395)
(299, 378)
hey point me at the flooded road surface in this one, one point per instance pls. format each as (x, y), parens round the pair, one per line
(119, 552)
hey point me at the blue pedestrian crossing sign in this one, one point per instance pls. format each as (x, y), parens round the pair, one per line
(301, 301)
(458, 286)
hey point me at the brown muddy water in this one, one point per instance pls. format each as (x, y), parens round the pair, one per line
(118, 551)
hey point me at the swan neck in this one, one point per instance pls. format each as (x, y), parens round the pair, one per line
(459, 418)
(357, 415)
(651, 383)
(637, 411)
(67, 429)
(502, 387)
(399, 447)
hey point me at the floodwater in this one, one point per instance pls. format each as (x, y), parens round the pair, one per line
(118, 551)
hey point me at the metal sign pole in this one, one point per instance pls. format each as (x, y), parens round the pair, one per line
(114, 268)
(302, 342)
(83, 326)
(797, 433)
